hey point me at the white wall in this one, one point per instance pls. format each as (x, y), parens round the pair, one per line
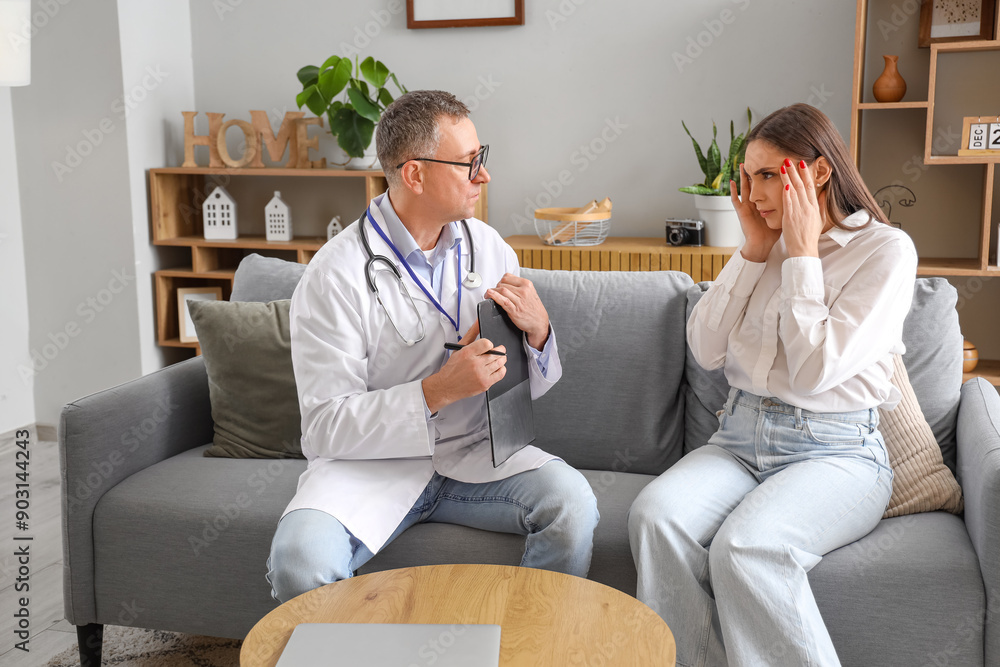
(77, 217)
(158, 77)
(108, 77)
(17, 403)
(591, 91)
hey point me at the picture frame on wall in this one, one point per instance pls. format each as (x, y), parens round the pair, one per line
(463, 13)
(956, 21)
(185, 326)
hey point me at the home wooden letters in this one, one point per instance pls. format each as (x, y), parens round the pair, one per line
(258, 135)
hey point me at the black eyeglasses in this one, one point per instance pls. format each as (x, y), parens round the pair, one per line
(478, 161)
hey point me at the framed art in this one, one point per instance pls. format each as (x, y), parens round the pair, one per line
(463, 13)
(955, 21)
(185, 326)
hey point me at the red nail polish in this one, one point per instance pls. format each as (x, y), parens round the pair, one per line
(788, 186)
(802, 164)
(788, 163)
(783, 169)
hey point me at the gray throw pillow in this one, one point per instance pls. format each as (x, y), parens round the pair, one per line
(620, 337)
(707, 391)
(933, 358)
(247, 352)
(265, 279)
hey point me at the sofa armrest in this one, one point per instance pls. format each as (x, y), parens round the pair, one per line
(111, 435)
(979, 475)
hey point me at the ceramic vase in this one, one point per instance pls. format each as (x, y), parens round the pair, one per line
(889, 87)
(722, 223)
(970, 357)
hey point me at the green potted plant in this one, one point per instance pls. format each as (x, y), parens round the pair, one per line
(352, 118)
(722, 225)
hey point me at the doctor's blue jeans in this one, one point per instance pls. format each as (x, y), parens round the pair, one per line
(553, 506)
(723, 540)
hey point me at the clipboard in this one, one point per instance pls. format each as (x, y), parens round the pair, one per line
(508, 402)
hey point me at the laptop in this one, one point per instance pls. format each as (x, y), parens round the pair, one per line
(508, 402)
(392, 645)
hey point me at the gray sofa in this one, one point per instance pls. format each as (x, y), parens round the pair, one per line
(158, 536)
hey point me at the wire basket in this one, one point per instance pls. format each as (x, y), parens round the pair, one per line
(563, 226)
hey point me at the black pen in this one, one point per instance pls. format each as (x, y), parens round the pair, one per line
(456, 346)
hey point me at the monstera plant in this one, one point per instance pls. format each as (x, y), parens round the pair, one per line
(363, 96)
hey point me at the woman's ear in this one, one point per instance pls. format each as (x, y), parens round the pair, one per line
(822, 171)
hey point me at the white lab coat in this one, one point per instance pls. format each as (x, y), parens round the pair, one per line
(370, 448)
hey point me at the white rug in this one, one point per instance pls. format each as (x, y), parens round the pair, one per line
(137, 647)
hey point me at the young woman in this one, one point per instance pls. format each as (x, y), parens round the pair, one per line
(805, 318)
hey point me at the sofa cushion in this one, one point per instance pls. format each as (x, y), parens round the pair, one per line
(908, 593)
(265, 279)
(921, 482)
(620, 403)
(185, 543)
(247, 351)
(707, 390)
(933, 358)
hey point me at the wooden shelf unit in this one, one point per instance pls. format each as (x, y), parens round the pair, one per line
(176, 195)
(894, 105)
(622, 254)
(938, 266)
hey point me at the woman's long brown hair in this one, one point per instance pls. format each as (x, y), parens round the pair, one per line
(804, 132)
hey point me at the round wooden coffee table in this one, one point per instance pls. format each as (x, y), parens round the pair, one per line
(546, 618)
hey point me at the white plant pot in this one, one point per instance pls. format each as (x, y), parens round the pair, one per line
(722, 224)
(339, 159)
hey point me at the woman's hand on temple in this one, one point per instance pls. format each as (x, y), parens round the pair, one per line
(759, 237)
(801, 219)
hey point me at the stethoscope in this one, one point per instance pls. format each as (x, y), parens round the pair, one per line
(472, 279)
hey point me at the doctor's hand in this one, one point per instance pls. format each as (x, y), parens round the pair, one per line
(759, 237)
(468, 372)
(517, 296)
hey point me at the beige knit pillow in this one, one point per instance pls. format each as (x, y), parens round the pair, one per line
(921, 481)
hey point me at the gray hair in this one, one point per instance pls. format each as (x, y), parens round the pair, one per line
(409, 128)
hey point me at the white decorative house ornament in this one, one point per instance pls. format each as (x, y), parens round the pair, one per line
(218, 213)
(334, 228)
(278, 219)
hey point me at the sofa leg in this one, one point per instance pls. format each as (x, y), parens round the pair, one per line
(90, 638)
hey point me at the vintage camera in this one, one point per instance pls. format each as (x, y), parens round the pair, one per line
(684, 231)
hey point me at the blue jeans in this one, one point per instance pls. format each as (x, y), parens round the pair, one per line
(724, 539)
(553, 506)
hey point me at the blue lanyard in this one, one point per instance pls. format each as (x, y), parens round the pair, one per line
(416, 279)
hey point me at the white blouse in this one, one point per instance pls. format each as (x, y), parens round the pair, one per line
(818, 333)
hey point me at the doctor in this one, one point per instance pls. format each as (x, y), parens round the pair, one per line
(394, 426)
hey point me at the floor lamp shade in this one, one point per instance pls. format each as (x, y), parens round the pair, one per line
(15, 42)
